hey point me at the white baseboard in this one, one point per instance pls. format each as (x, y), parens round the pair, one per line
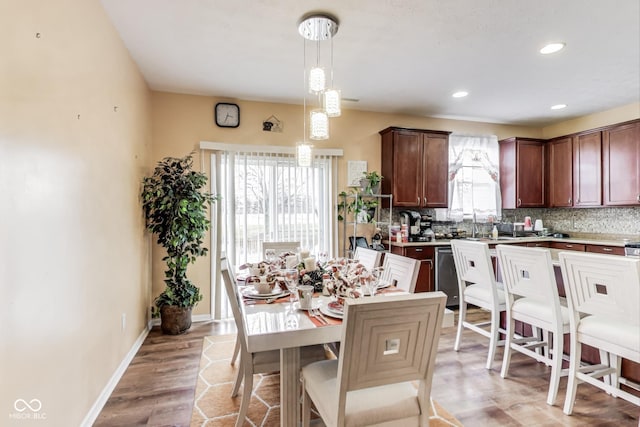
(194, 318)
(91, 417)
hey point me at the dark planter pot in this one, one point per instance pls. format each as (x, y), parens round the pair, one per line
(175, 320)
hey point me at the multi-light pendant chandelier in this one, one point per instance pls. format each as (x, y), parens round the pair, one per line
(318, 28)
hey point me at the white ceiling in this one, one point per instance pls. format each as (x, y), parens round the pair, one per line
(399, 56)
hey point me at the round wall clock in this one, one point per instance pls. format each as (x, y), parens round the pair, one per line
(227, 115)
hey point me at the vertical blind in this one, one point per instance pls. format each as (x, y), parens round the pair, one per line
(265, 196)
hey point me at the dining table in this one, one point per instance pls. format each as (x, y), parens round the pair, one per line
(281, 325)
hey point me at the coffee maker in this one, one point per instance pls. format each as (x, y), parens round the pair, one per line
(412, 219)
(426, 222)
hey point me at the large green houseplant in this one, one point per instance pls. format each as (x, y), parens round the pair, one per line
(175, 208)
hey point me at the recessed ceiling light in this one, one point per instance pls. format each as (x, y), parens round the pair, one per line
(558, 106)
(460, 94)
(552, 48)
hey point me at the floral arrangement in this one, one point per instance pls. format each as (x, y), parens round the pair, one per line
(346, 274)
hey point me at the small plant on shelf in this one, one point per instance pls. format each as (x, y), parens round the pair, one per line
(370, 182)
(362, 208)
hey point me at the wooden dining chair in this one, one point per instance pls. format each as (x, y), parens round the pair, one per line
(368, 257)
(477, 285)
(603, 294)
(387, 343)
(401, 270)
(255, 362)
(532, 297)
(280, 247)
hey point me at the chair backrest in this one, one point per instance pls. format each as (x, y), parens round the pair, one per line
(234, 301)
(607, 285)
(401, 270)
(473, 263)
(280, 247)
(368, 257)
(390, 339)
(528, 272)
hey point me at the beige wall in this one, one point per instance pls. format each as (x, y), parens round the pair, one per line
(74, 254)
(592, 121)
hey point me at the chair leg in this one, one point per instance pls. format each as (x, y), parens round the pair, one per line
(556, 365)
(246, 398)
(236, 351)
(238, 381)
(493, 340)
(462, 313)
(306, 407)
(574, 364)
(506, 359)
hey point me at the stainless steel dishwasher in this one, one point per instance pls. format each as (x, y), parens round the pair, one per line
(446, 278)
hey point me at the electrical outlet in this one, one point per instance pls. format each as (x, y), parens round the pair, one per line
(124, 321)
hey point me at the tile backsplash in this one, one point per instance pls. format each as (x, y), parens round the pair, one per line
(624, 221)
(595, 220)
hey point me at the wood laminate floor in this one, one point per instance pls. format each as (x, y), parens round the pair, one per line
(158, 387)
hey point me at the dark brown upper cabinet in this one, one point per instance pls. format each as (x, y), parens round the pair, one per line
(522, 173)
(621, 165)
(560, 172)
(587, 169)
(415, 167)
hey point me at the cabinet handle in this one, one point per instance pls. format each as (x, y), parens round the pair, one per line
(418, 201)
(607, 250)
(569, 201)
(639, 197)
(568, 246)
(519, 201)
(418, 249)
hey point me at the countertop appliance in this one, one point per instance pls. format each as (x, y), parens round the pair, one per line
(632, 249)
(446, 276)
(412, 219)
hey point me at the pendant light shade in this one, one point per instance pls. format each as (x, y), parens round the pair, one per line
(303, 153)
(317, 80)
(332, 102)
(319, 128)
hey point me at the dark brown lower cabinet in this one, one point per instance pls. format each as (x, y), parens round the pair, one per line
(426, 255)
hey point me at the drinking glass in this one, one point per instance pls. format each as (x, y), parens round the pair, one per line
(270, 255)
(323, 257)
(291, 280)
(374, 281)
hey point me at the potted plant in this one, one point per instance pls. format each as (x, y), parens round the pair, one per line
(362, 208)
(175, 209)
(370, 182)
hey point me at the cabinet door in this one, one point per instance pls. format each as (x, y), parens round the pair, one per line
(436, 171)
(587, 169)
(407, 168)
(561, 172)
(621, 165)
(425, 254)
(530, 174)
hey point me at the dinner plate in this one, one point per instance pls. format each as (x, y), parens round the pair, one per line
(325, 310)
(336, 308)
(253, 293)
